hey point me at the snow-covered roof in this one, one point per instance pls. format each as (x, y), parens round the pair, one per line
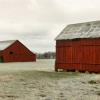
(80, 30)
(5, 44)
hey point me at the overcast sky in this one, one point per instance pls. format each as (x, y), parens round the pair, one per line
(36, 23)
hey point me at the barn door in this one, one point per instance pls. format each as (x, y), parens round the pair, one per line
(1, 59)
(88, 54)
(76, 55)
(68, 54)
(73, 55)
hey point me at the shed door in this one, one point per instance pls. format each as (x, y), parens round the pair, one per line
(1, 59)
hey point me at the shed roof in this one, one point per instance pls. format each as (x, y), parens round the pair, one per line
(80, 30)
(5, 44)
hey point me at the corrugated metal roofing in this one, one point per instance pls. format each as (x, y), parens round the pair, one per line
(5, 44)
(80, 30)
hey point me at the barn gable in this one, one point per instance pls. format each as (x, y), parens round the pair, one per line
(16, 43)
(80, 30)
(15, 51)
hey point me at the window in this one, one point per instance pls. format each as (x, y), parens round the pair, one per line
(10, 52)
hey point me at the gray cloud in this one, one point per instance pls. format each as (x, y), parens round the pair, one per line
(36, 23)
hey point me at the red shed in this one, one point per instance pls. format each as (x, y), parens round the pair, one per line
(78, 47)
(15, 51)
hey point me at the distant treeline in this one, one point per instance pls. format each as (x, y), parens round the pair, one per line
(46, 55)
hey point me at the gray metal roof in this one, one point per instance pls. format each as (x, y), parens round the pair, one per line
(80, 30)
(5, 44)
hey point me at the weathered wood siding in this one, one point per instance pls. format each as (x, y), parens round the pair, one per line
(78, 54)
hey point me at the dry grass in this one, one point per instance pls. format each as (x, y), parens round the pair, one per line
(38, 81)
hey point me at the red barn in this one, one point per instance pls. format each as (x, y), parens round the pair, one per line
(15, 51)
(78, 47)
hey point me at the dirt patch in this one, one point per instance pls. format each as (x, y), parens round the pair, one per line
(8, 96)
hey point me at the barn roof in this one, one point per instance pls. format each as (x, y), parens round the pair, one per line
(5, 44)
(80, 30)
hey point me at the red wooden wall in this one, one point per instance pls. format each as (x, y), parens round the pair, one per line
(19, 53)
(78, 54)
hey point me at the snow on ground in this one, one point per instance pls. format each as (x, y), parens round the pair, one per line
(43, 65)
(38, 81)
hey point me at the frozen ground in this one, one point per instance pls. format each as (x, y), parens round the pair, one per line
(38, 81)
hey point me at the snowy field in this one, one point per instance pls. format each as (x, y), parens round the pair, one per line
(38, 81)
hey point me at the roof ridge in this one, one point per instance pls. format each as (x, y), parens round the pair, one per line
(84, 22)
(80, 30)
(7, 40)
